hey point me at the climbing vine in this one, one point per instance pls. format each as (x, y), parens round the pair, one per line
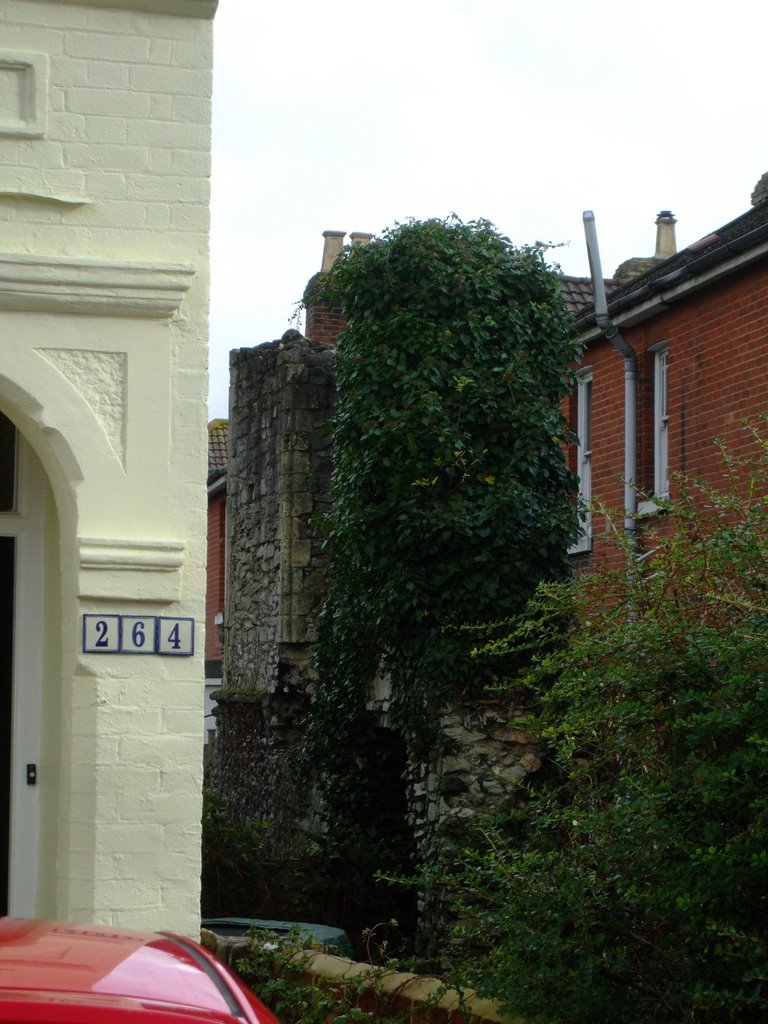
(451, 497)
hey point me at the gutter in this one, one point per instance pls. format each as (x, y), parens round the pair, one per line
(611, 332)
(217, 481)
(708, 259)
(718, 262)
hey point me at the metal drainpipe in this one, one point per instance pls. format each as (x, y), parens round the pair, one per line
(611, 332)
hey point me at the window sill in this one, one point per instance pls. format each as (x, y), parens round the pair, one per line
(582, 546)
(651, 507)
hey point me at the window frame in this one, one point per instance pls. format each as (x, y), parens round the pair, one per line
(9, 466)
(584, 407)
(661, 420)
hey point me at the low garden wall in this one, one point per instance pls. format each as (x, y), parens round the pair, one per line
(394, 993)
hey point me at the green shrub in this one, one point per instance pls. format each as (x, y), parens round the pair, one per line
(230, 857)
(273, 969)
(244, 874)
(634, 887)
(276, 971)
(451, 497)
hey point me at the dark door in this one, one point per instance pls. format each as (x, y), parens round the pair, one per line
(6, 694)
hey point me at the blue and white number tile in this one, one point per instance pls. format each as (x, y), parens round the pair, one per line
(176, 636)
(138, 634)
(101, 634)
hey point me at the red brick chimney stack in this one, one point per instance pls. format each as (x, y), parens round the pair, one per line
(326, 321)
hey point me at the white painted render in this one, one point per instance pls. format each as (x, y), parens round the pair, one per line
(104, 168)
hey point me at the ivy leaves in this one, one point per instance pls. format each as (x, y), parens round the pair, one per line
(451, 498)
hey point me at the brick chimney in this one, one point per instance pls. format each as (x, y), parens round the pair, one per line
(666, 246)
(325, 321)
(666, 243)
(360, 237)
(332, 245)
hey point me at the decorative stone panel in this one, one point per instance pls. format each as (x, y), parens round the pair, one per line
(23, 94)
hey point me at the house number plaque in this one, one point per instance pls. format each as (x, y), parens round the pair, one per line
(138, 634)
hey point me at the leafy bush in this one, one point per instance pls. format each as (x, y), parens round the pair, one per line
(232, 870)
(276, 970)
(451, 497)
(244, 873)
(635, 887)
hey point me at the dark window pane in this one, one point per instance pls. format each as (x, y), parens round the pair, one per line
(7, 465)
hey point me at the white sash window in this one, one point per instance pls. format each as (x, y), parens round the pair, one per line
(660, 423)
(584, 457)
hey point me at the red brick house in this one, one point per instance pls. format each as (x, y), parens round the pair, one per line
(696, 325)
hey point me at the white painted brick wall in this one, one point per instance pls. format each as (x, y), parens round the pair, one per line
(129, 135)
(122, 83)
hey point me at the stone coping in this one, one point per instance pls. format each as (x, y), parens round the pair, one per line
(428, 999)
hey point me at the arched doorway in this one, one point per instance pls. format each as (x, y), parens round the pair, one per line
(22, 645)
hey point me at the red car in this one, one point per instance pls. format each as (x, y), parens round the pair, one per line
(57, 973)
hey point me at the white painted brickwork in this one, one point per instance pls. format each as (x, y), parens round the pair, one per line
(120, 178)
(122, 86)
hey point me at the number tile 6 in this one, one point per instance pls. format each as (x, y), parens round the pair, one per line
(138, 634)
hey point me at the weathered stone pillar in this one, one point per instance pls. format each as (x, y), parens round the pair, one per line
(278, 478)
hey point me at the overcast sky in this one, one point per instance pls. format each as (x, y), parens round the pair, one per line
(354, 115)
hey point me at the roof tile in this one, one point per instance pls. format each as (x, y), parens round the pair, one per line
(218, 449)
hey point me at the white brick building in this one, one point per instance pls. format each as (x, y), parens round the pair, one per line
(104, 166)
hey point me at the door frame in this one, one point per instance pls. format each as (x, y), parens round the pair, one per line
(27, 526)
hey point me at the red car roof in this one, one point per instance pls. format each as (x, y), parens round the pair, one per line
(51, 971)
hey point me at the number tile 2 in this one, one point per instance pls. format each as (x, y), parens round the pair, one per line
(101, 634)
(138, 634)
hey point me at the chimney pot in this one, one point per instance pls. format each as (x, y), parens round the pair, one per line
(666, 243)
(332, 246)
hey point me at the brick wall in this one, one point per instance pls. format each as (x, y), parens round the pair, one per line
(216, 574)
(128, 129)
(105, 377)
(389, 993)
(324, 320)
(718, 376)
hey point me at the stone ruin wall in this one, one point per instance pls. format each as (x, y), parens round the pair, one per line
(278, 479)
